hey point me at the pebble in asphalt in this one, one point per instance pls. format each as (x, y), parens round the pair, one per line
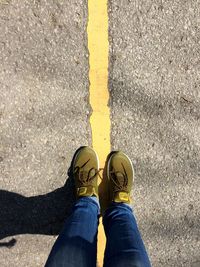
(44, 117)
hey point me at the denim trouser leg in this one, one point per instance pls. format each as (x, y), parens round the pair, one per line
(76, 245)
(124, 244)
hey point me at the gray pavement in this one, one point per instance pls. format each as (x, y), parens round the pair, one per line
(44, 115)
(155, 103)
(154, 74)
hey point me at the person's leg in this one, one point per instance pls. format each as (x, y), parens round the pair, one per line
(77, 243)
(124, 245)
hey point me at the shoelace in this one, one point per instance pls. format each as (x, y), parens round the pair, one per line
(120, 187)
(82, 174)
(88, 179)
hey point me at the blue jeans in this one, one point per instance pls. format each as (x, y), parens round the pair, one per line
(76, 245)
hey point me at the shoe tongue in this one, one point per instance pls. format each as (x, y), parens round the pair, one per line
(120, 177)
(86, 173)
(92, 173)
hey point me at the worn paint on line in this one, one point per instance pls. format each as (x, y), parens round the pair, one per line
(98, 47)
(98, 75)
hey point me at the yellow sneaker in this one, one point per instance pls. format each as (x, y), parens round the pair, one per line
(85, 171)
(120, 175)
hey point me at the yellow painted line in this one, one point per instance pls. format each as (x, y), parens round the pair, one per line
(98, 45)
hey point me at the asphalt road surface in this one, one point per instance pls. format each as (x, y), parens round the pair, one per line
(154, 84)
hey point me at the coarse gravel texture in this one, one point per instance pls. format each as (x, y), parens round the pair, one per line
(154, 81)
(44, 118)
(154, 85)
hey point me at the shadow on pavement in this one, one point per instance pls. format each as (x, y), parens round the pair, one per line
(43, 214)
